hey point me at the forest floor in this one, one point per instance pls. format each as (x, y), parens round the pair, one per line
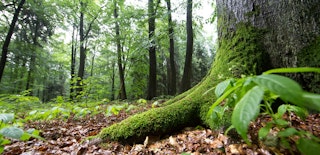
(65, 137)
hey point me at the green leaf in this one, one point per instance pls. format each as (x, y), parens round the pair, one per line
(286, 88)
(25, 136)
(287, 132)
(221, 87)
(12, 132)
(301, 112)
(220, 99)
(4, 141)
(6, 117)
(293, 70)
(281, 110)
(281, 122)
(246, 110)
(264, 131)
(313, 101)
(308, 147)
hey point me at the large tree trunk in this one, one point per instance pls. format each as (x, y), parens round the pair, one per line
(253, 36)
(6, 43)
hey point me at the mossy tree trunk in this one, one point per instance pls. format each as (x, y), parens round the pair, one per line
(253, 36)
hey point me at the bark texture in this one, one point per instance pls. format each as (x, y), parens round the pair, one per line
(187, 71)
(122, 93)
(253, 37)
(152, 85)
(172, 77)
(291, 32)
(6, 43)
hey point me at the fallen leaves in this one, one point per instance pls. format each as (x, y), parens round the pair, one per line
(65, 137)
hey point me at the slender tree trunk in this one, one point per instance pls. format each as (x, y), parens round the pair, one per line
(172, 76)
(82, 52)
(122, 92)
(92, 65)
(113, 81)
(152, 84)
(73, 62)
(187, 71)
(6, 43)
(32, 63)
(253, 36)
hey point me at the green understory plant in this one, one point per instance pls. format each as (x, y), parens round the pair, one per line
(10, 129)
(254, 95)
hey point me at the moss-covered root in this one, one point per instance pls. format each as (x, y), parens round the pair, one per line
(153, 122)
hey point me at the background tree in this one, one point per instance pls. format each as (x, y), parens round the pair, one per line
(122, 93)
(172, 77)
(6, 43)
(187, 71)
(152, 84)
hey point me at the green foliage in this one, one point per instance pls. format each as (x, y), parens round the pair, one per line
(246, 110)
(142, 101)
(9, 128)
(18, 103)
(244, 95)
(115, 109)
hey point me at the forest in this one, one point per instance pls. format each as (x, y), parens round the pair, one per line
(159, 77)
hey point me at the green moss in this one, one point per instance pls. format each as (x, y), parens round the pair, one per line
(255, 11)
(241, 52)
(153, 122)
(310, 57)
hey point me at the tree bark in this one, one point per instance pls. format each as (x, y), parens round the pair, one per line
(251, 40)
(73, 63)
(152, 84)
(32, 62)
(172, 76)
(82, 51)
(122, 93)
(187, 71)
(6, 43)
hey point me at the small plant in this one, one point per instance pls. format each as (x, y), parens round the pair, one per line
(13, 131)
(247, 95)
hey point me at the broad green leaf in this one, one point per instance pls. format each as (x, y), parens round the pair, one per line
(1, 148)
(287, 132)
(221, 87)
(246, 110)
(308, 147)
(293, 70)
(286, 88)
(313, 101)
(12, 132)
(6, 117)
(264, 131)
